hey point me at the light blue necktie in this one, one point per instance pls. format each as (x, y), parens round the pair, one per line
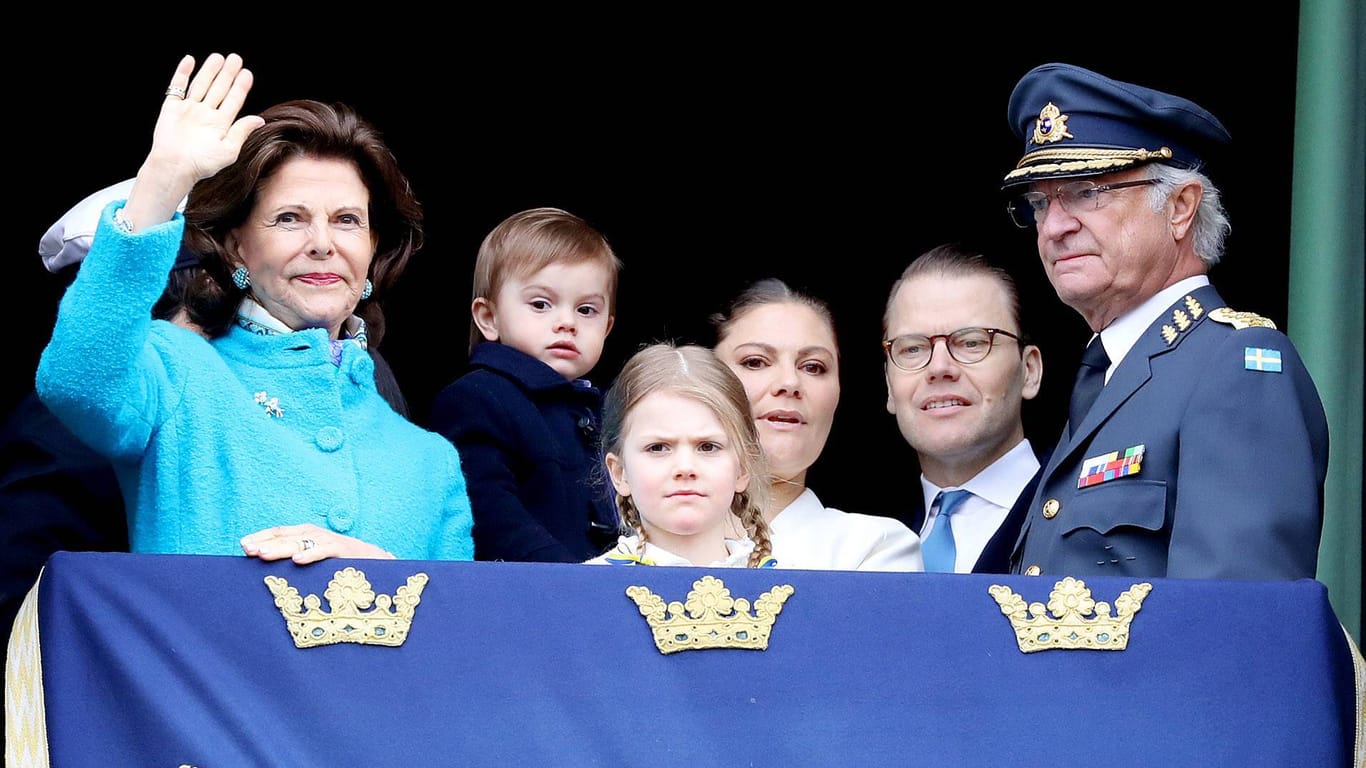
(938, 548)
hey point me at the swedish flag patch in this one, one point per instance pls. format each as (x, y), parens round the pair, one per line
(1262, 359)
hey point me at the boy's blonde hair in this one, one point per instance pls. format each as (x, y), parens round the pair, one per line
(526, 242)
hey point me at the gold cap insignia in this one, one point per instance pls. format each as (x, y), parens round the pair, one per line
(711, 618)
(1240, 320)
(1072, 620)
(1051, 125)
(347, 594)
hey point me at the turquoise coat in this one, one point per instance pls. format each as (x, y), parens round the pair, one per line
(215, 439)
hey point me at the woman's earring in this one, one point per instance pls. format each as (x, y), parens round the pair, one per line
(369, 289)
(241, 278)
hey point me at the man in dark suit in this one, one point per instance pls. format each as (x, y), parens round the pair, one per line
(1196, 444)
(959, 369)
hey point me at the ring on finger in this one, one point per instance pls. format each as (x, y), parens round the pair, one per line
(176, 91)
(306, 544)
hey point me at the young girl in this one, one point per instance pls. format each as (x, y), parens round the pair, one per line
(683, 454)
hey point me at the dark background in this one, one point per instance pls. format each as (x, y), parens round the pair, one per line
(828, 151)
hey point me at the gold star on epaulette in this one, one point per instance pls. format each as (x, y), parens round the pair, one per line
(1240, 320)
(1183, 320)
(1194, 307)
(1168, 334)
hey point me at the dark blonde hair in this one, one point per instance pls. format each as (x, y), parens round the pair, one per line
(695, 373)
(300, 129)
(528, 241)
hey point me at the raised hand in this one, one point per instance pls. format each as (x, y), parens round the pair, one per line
(200, 130)
(197, 134)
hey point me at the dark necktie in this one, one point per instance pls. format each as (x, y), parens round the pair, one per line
(938, 548)
(1090, 380)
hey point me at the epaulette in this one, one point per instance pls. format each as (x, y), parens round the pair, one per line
(1240, 320)
(1259, 359)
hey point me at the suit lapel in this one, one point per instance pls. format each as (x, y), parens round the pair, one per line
(1163, 336)
(995, 557)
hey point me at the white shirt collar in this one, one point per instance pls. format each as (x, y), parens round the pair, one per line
(737, 550)
(255, 318)
(999, 483)
(1124, 332)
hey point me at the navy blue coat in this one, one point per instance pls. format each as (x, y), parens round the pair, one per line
(528, 444)
(995, 557)
(55, 494)
(1233, 461)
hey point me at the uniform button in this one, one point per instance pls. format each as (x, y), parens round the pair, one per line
(1050, 509)
(329, 438)
(586, 427)
(340, 520)
(1033, 570)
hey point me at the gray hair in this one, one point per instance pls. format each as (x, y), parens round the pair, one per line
(1211, 226)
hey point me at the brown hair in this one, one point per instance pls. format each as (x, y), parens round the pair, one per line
(296, 129)
(769, 290)
(526, 242)
(697, 374)
(951, 260)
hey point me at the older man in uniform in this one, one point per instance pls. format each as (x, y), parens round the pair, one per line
(1196, 444)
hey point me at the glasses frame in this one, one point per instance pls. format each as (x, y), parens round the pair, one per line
(933, 340)
(1036, 214)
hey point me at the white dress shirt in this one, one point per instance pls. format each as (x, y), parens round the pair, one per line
(994, 491)
(1123, 332)
(624, 553)
(806, 534)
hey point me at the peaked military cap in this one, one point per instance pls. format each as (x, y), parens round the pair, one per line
(1075, 122)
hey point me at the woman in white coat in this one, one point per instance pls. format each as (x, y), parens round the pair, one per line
(781, 343)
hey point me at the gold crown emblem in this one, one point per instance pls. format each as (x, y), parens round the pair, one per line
(1072, 619)
(1051, 125)
(711, 618)
(348, 594)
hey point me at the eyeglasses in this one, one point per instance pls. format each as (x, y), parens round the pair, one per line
(1030, 208)
(966, 345)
